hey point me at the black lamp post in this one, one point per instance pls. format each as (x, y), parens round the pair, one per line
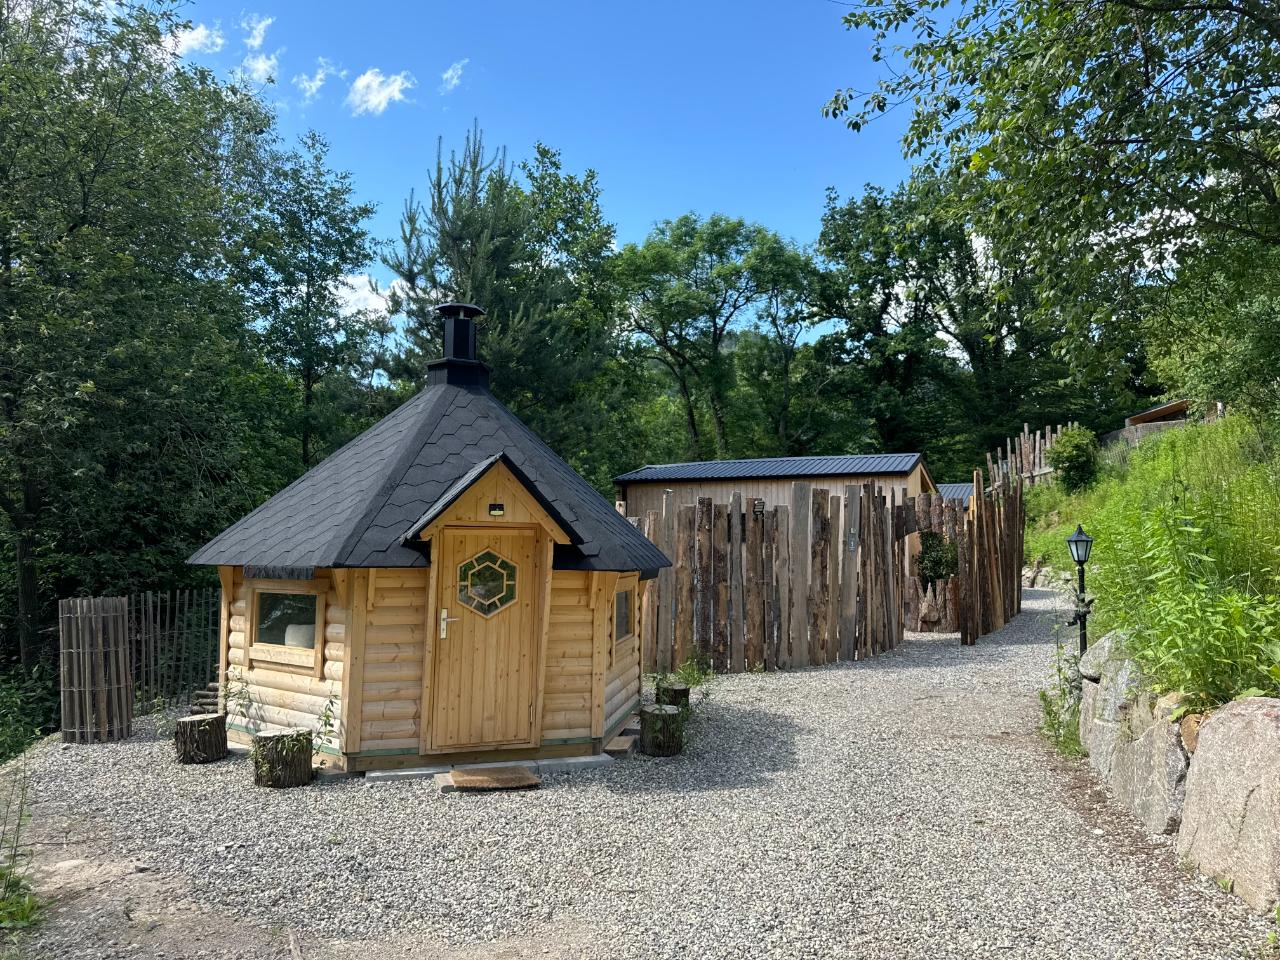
(1080, 544)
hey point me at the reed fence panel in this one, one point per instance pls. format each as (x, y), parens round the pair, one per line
(95, 669)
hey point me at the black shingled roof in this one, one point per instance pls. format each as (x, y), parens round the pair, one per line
(866, 464)
(354, 508)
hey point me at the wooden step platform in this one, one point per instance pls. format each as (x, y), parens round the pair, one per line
(621, 747)
(484, 779)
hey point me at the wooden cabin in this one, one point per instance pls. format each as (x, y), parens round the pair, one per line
(444, 587)
(769, 478)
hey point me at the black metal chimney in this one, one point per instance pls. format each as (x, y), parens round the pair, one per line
(460, 365)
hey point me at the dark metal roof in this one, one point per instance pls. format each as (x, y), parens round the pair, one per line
(354, 508)
(956, 491)
(779, 468)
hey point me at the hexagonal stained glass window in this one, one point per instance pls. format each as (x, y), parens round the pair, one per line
(487, 583)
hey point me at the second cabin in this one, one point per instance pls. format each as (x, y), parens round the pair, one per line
(442, 587)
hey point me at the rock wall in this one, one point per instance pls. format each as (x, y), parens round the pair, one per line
(1213, 781)
(1231, 819)
(1130, 737)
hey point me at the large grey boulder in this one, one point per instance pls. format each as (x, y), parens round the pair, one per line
(1231, 818)
(1131, 740)
(1099, 652)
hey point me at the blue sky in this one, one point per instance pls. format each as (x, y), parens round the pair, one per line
(703, 106)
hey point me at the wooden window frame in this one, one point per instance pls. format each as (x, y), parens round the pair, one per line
(278, 654)
(633, 627)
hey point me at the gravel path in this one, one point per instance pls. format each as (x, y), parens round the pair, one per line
(903, 807)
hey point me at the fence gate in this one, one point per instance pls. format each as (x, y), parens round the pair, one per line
(96, 669)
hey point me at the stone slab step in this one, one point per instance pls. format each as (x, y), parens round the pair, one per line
(552, 765)
(621, 747)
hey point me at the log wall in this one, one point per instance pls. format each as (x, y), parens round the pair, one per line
(263, 696)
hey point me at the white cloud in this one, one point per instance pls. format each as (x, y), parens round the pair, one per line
(198, 39)
(357, 292)
(450, 79)
(310, 84)
(261, 67)
(373, 92)
(255, 29)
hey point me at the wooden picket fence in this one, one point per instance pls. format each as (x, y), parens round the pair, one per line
(831, 577)
(1026, 455)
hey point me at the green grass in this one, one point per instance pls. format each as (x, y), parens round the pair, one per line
(1186, 557)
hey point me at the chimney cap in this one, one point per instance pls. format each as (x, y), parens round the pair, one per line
(467, 310)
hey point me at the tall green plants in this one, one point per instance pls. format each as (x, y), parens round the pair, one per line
(1187, 560)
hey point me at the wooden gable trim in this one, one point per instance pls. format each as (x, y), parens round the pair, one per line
(510, 489)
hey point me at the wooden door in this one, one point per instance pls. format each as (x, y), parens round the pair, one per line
(484, 682)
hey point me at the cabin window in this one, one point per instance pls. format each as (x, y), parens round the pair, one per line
(487, 583)
(287, 625)
(624, 615)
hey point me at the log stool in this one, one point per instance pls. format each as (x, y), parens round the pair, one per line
(661, 730)
(282, 760)
(673, 693)
(201, 739)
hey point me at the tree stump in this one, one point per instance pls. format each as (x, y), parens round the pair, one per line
(201, 739)
(282, 759)
(673, 693)
(661, 730)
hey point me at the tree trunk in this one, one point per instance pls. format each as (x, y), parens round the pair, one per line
(661, 730)
(201, 739)
(28, 596)
(282, 759)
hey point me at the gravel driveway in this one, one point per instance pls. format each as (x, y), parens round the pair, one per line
(902, 807)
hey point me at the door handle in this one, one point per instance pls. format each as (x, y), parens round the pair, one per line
(445, 620)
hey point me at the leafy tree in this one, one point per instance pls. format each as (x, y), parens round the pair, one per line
(1091, 131)
(531, 246)
(691, 284)
(127, 180)
(312, 242)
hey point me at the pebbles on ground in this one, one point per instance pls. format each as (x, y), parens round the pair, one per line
(899, 807)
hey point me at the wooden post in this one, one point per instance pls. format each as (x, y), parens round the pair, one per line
(200, 739)
(703, 603)
(801, 521)
(847, 597)
(720, 593)
(651, 603)
(820, 576)
(782, 577)
(737, 618)
(833, 578)
(685, 612)
(666, 586)
(753, 604)
(661, 730)
(769, 589)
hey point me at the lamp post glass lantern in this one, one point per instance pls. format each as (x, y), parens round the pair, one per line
(1081, 544)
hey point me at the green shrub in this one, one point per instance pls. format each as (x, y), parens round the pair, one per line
(1074, 458)
(28, 706)
(1186, 559)
(938, 558)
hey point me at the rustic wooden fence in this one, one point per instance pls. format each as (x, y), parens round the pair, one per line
(1026, 455)
(833, 576)
(174, 637)
(96, 669)
(120, 652)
